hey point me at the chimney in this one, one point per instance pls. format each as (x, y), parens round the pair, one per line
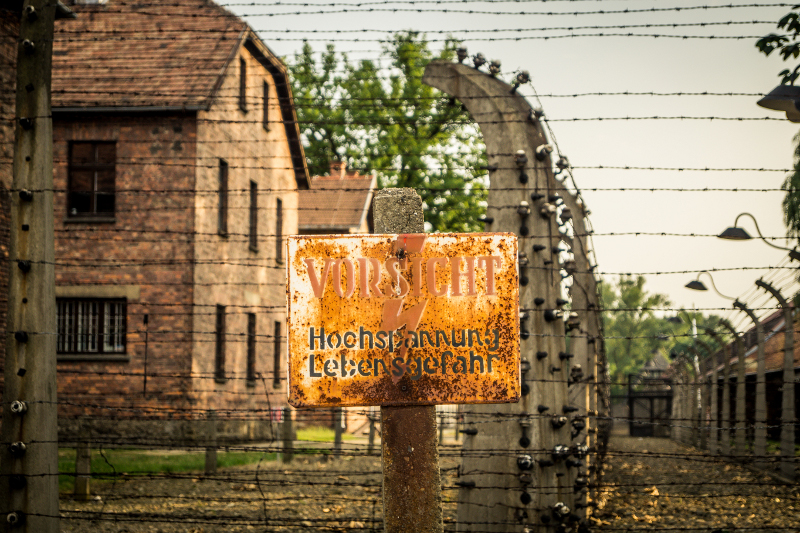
(338, 168)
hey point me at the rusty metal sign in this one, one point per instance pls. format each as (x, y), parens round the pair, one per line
(412, 319)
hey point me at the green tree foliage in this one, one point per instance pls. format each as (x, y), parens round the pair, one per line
(636, 329)
(631, 327)
(409, 134)
(789, 45)
(791, 202)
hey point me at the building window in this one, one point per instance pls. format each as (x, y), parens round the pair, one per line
(223, 198)
(253, 216)
(242, 84)
(276, 355)
(90, 182)
(219, 356)
(251, 348)
(279, 231)
(265, 118)
(90, 326)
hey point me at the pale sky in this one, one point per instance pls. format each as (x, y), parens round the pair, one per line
(616, 64)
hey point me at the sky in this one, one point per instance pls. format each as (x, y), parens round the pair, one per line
(576, 63)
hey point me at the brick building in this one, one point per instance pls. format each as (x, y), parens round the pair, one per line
(177, 161)
(340, 202)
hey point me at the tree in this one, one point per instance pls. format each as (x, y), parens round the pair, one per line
(789, 46)
(634, 330)
(409, 134)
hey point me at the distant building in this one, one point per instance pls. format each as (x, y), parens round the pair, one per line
(338, 203)
(177, 165)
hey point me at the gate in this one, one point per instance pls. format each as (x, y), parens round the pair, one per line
(649, 403)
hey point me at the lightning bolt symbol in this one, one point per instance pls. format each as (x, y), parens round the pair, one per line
(393, 315)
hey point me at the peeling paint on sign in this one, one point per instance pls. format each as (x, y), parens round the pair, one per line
(410, 319)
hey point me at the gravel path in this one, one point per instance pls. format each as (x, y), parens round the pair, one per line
(659, 485)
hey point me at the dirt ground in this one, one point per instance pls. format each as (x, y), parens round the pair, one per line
(310, 494)
(650, 485)
(656, 484)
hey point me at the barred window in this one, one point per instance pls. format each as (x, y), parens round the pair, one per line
(90, 326)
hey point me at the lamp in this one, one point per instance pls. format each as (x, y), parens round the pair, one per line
(735, 233)
(698, 285)
(783, 98)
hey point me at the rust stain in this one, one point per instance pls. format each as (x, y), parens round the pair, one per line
(403, 320)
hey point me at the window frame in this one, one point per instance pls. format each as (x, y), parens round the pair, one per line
(72, 167)
(253, 217)
(68, 348)
(219, 344)
(265, 102)
(250, 368)
(222, 198)
(277, 355)
(279, 231)
(242, 84)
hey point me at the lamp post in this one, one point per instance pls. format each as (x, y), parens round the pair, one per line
(736, 233)
(783, 98)
(714, 399)
(760, 429)
(725, 419)
(787, 404)
(739, 419)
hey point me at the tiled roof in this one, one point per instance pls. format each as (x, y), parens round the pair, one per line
(145, 55)
(133, 53)
(337, 203)
(773, 348)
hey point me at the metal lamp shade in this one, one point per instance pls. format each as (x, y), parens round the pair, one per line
(735, 234)
(696, 285)
(783, 98)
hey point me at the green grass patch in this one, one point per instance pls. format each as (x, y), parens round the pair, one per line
(138, 462)
(320, 434)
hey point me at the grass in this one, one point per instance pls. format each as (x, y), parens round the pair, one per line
(320, 434)
(118, 461)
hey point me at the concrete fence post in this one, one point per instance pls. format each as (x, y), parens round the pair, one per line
(211, 442)
(337, 431)
(412, 497)
(288, 435)
(83, 464)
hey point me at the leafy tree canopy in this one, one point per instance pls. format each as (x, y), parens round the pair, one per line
(636, 328)
(788, 44)
(409, 134)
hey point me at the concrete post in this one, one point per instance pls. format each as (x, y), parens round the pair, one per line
(788, 419)
(83, 465)
(760, 422)
(211, 442)
(29, 439)
(371, 441)
(412, 493)
(739, 420)
(288, 435)
(713, 434)
(496, 495)
(337, 432)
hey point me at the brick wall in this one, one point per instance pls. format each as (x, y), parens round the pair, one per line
(228, 272)
(145, 254)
